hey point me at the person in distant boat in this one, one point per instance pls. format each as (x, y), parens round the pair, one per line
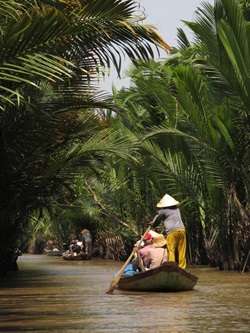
(174, 229)
(87, 241)
(74, 247)
(151, 256)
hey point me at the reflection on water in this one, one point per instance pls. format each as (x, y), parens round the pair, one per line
(49, 294)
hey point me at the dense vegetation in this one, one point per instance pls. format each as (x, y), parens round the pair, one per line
(74, 158)
(52, 54)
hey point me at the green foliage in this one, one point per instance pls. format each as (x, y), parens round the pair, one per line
(89, 161)
(192, 117)
(52, 53)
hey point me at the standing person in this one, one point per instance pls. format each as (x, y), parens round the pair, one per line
(87, 241)
(174, 229)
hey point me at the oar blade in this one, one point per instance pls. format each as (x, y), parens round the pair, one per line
(116, 279)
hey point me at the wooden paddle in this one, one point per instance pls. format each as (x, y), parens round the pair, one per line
(140, 261)
(245, 263)
(116, 279)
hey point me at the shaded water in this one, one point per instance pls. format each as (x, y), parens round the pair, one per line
(49, 294)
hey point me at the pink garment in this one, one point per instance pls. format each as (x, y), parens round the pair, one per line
(143, 252)
(156, 257)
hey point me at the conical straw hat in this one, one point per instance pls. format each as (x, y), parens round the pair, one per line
(159, 239)
(84, 231)
(167, 201)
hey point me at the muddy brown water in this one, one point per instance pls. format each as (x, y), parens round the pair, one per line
(50, 295)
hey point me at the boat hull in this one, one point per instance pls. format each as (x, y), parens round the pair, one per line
(166, 278)
(54, 253)
(79, 257)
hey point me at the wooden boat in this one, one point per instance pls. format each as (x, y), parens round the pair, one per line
(78, 257)
(51, 253)
(168, 277)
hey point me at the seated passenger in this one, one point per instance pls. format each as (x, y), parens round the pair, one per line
(74, 247)
(143, 252)
(159, 239)
(150, 256)
(156, 257)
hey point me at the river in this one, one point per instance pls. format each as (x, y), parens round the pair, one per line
(50, 295)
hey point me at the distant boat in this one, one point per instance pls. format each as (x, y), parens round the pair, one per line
(168, 277)
(78, 257)
(53, 253)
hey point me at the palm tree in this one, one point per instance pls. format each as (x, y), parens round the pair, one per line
(51, 55)
(56, 40)
(199, 142)
(223, 40)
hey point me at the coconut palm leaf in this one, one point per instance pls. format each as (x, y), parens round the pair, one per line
(50, 39)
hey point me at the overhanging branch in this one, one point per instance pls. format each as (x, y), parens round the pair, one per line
(106, 211)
